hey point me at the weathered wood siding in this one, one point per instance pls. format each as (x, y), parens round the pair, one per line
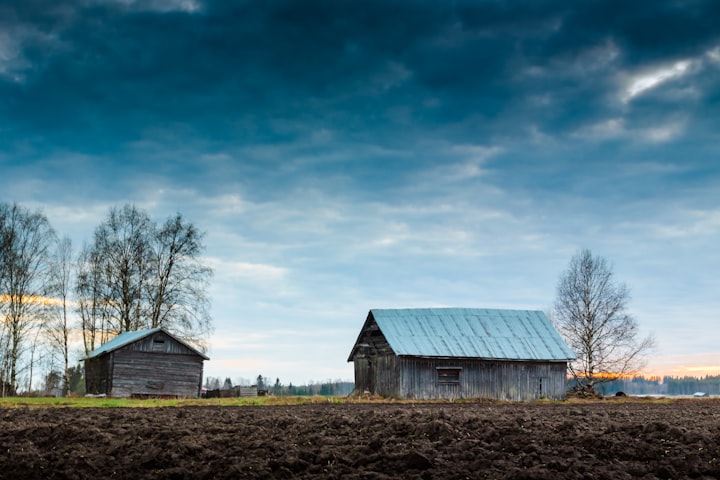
(147, 373)
(377, 374)
(159, 342)
(418, 378)
(513, 381)
(97, 375)
(376, 368)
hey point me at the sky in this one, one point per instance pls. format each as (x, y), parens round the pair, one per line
(343, 156)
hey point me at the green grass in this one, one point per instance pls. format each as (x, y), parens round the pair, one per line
(83, 402)
(86, 402)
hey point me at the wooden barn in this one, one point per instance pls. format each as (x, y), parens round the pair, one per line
(452, 353)
(145, 363)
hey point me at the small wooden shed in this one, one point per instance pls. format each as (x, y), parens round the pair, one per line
(143, 364)
(452, 353)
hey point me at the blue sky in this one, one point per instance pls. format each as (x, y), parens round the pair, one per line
(342, 156)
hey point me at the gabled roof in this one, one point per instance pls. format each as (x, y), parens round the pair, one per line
(468, 333)
(126, 338)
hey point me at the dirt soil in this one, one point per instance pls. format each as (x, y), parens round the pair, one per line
(596, 440)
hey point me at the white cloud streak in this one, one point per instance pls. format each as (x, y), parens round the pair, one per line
(649, 80)
(160, 6)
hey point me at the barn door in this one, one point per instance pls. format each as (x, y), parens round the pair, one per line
(543, 384)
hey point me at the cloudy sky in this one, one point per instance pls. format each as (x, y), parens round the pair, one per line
(342, 156)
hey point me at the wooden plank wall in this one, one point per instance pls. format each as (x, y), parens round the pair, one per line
(377, 374)
(97, 375)
(162, 374)
(160, 342)
(362, 374)
(513, 381)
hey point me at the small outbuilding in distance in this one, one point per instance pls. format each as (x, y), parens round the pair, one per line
(145, 364)
(452, 353)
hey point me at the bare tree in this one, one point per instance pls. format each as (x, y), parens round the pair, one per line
(25, 238)
(88, 282)
(58, 326)
(176, 292)
(5, 387)
(591, 314)
(145, 276)
(122, 245)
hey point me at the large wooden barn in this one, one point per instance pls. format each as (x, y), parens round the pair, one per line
(145, 363)
(451, 353)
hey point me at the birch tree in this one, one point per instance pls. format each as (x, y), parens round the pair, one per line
(25, 238)
(591, 314)
(88, 297)
(177, 291)
(122, 245)
(59, 325)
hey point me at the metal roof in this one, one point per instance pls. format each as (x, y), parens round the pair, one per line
(126, 338)
(471, 333)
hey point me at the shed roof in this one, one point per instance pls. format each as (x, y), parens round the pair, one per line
(469, 333)
(126, 338)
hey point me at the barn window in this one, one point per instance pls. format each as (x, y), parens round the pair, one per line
(158, 344)
(448, 374)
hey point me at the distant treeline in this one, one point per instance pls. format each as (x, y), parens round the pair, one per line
(662, 386)
(330, 388)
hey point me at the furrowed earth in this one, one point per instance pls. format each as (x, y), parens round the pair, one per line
(575, 440)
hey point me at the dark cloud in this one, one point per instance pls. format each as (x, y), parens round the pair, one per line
(96, 75)
(649, 30)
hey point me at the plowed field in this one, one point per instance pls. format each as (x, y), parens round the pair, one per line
(603, 440)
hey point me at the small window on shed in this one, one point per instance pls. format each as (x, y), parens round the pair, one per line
(448, 374)
(158, 344)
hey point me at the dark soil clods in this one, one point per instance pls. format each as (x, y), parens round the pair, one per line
(597, 439)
